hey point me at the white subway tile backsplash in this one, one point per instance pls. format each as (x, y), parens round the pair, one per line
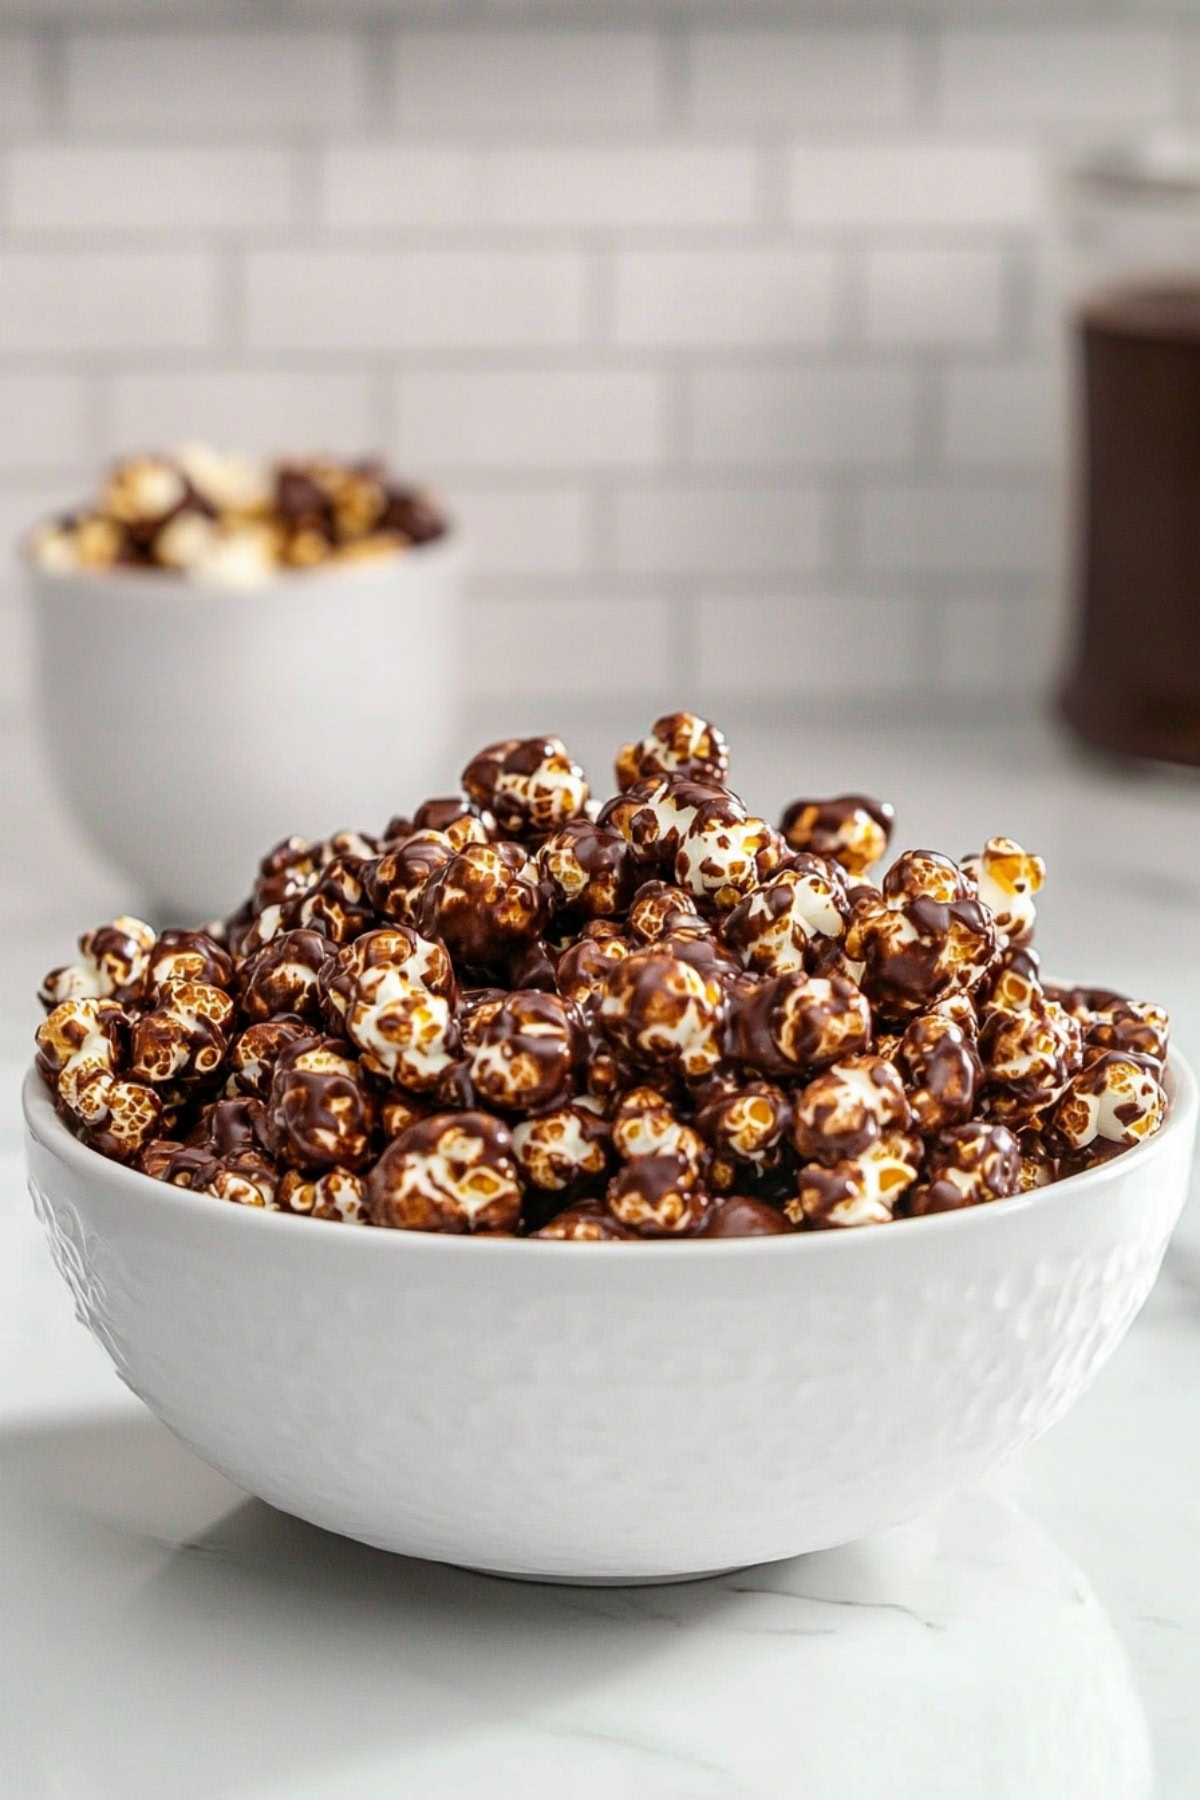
(530, 419)
(91, 188)
(1057, 77)
(814, 643)
(382, 187)
(931, 297)
(613, 644)
(981, 646)
(22, 506)
(68, 301)
(831, 414)
(714, 331)
(254, 410)
(802, 76)
(414, 300)
(526, 532)
(913, 185)
(19, 87)
(712, 530)
(693, 299)
(526, 78)
(944, 528)
(1007, 414)
(207, 81)
(632, 188)
(550, 186)
(43, 422)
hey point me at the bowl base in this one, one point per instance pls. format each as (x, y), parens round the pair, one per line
(599, 1581)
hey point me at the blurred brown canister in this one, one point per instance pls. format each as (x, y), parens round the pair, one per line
(1133, 683)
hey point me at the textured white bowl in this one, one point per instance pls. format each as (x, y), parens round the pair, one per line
(189, 727)
(607, 1412)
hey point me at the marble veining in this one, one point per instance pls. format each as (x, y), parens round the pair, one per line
(1038, 1638)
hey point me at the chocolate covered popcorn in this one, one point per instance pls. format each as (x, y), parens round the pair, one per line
(852, 831)
(230, 521)
(319, 1107)
(451, 1172)
(848, 1108)
(529, 785)
(485, 905)
(589, 869)
(515, 1012)
(83, 1055)
(662, 1012)
(677, 744)
(113, 964)
(773, 927)
(965, 1165)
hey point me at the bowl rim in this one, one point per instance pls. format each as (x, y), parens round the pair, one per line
(45, 1127)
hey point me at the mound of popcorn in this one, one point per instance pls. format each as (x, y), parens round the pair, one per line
(232, 521)
(520, 1012)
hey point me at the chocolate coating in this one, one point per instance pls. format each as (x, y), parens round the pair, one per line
(523, 1054)
(657, 908)
(283, 977)
(967, 1165)
(285, 871)
(565, 1150)
(184, 1036)
(588, 1223)
(852, 829)
(114, 964)
(189, 956)
(739, 1215)
(233, 1127)
(942, 1072)
(677, 744)
(530, 785)
(849, 1107)
(747, 1127)
(255, 1051)
(868, 1189)
(459, 819)
(772, 928)
(658, 1010)
(919, 951)
(588, 870)
(1028, 1056)
(657, 1196)
(784, 1026)
(338, 1194)
(718, 856)
(484, 905)
(450, 1172)
(336, 904)
(417, 962)
(319, 1111)
(582, 968)
(396, 880)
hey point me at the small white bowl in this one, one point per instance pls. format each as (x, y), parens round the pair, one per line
(188, 726)
(607, 1412)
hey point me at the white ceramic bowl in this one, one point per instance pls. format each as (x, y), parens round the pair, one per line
(189, 727)
(596, 1412)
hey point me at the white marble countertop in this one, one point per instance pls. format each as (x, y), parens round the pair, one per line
(1038, 1638)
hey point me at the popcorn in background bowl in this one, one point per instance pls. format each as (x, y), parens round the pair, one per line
(234, 521)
